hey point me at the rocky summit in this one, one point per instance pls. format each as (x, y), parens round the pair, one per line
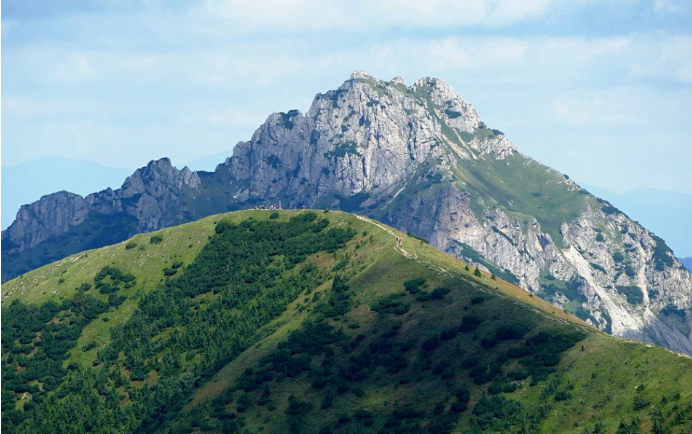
(420, 159)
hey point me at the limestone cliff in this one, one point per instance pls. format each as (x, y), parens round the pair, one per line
(52, 215)
(149, 199)
(420, 158)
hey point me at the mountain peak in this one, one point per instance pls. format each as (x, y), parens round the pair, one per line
(431, 81)
(432, 94)
(159, 179)
(397, 80)
(438, 86)
(366, 137)
(360, 74)
(418, 158)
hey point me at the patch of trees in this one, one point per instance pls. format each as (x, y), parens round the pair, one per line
(672, 310)
(110, 279)
(35, 343)
(417, 286)
(414, 286)
(341, 369)
(339, 301)
(391, 304)
(436, 294)
(180, 333)
(663, 256)
(609, 209)
(496, 414)
(634, 294)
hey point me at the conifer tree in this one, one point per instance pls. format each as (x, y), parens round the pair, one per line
(477, 272)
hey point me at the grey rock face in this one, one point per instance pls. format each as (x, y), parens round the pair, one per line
(367, 137)
(51, 215)
(150, 195)
(448, 105)
(421, 159)
(659, 303)
(380, 140)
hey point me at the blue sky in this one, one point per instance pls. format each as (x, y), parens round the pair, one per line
(599, 89)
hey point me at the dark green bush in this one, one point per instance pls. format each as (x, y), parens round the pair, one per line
(470, 323)
(506, 333)
(633, 294)
(414, 286)
(562, 396)
(609, 209)
(640, 403)
(391, 304)
(430, 344)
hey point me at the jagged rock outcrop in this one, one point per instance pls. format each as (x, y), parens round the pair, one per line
(364, 138)
(149, 199)
(152, 194)
(52, 215)
(420, 159)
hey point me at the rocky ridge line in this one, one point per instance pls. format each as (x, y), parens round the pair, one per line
(419, 158)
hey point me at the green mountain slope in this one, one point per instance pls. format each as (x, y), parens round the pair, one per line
(418, 158)
(302, 321)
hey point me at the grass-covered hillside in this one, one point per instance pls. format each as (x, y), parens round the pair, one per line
(312, 322)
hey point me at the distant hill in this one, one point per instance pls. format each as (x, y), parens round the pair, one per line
(312, 322)
(666, 213)
(687, 262)
(27, 182)
(208, 163)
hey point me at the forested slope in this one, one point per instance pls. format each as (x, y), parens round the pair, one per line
(265, 321)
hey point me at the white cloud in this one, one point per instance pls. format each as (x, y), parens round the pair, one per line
(211, 74)
(665, 7)
(236, 118)
(458, 53)
(667, 58)
(591, 109)
(141, 62)
(221, 118)
(73, 69)
(261, 69)
(581, 50)
(6, 28)
(511, 11)
(303, 15)
(548, 62)
(20, 107)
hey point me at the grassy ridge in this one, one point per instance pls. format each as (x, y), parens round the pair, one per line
(589, 386)
(314, 322)
(60, 280)
(526, 188)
